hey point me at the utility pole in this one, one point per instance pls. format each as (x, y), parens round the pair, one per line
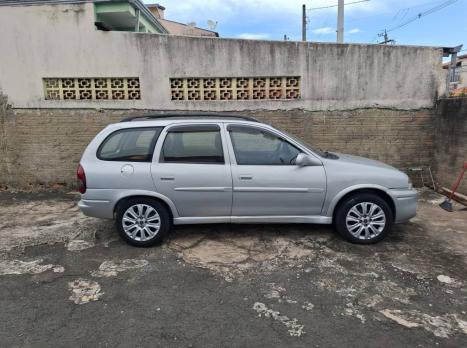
(303, 22)
(386, 38)
(340, 21)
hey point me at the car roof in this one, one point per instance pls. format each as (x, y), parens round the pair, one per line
(189, 116)
(162, 120)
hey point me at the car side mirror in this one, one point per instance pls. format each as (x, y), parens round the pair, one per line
(304, 160)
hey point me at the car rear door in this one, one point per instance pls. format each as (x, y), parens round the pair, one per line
(123, 159)
(193, 169)
(265, 180)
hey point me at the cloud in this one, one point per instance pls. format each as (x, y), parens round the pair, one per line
(251, 36)
(324, 31)
(354, 31)
(331, 30)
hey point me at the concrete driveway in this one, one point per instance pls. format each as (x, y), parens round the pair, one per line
(67, 280)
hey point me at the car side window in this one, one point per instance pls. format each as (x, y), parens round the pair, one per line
(253, 146)
(130, 145)
(193, 144)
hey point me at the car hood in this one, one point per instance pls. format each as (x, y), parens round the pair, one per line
(356, 170)
(362, 160)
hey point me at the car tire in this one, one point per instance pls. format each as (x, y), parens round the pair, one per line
(363, 218)
(142, 222)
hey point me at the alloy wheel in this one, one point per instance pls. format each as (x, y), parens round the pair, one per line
(141, 222)
(365, 220)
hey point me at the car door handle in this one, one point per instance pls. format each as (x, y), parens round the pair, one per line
(246, 177)
(167, 178)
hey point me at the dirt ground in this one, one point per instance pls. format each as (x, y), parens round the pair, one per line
(68, 280)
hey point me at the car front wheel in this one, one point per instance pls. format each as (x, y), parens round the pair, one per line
(364, 218)
(142, 222)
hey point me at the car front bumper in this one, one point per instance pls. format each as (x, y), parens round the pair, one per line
(405, 202)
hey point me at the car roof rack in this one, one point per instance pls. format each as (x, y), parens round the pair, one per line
(151, 116)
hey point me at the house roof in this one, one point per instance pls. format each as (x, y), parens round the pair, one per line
(459, 59)
(156, 5)
(177, 28)
(137, 3)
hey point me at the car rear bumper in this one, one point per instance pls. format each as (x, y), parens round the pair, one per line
(96, 208)
(405, 202)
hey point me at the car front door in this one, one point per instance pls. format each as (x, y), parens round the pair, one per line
(266, 182)
(193, 170)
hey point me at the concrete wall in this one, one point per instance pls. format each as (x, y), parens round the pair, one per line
(60, 41)
(450, 150)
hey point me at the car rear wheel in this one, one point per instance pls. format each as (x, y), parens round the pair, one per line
(364, 218)
(142, 222)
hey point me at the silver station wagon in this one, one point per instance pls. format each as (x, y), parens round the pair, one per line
(154, 171)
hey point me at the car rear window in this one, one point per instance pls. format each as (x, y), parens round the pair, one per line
(193, 144)
(130, 145)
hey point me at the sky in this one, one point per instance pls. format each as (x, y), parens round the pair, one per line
(272, 19)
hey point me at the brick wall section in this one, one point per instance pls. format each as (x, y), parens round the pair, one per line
(400, 138)
(5, 146)
(43, 147)
(450, 151)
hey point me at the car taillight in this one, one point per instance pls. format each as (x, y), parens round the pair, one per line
(81, 179)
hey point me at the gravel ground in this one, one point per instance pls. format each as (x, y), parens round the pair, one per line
(68, 280)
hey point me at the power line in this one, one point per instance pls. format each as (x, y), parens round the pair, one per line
(412, 19)
(348, 3)
(423, 14)
(403, 12)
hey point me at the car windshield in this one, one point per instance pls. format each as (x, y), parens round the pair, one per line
(305, 144)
